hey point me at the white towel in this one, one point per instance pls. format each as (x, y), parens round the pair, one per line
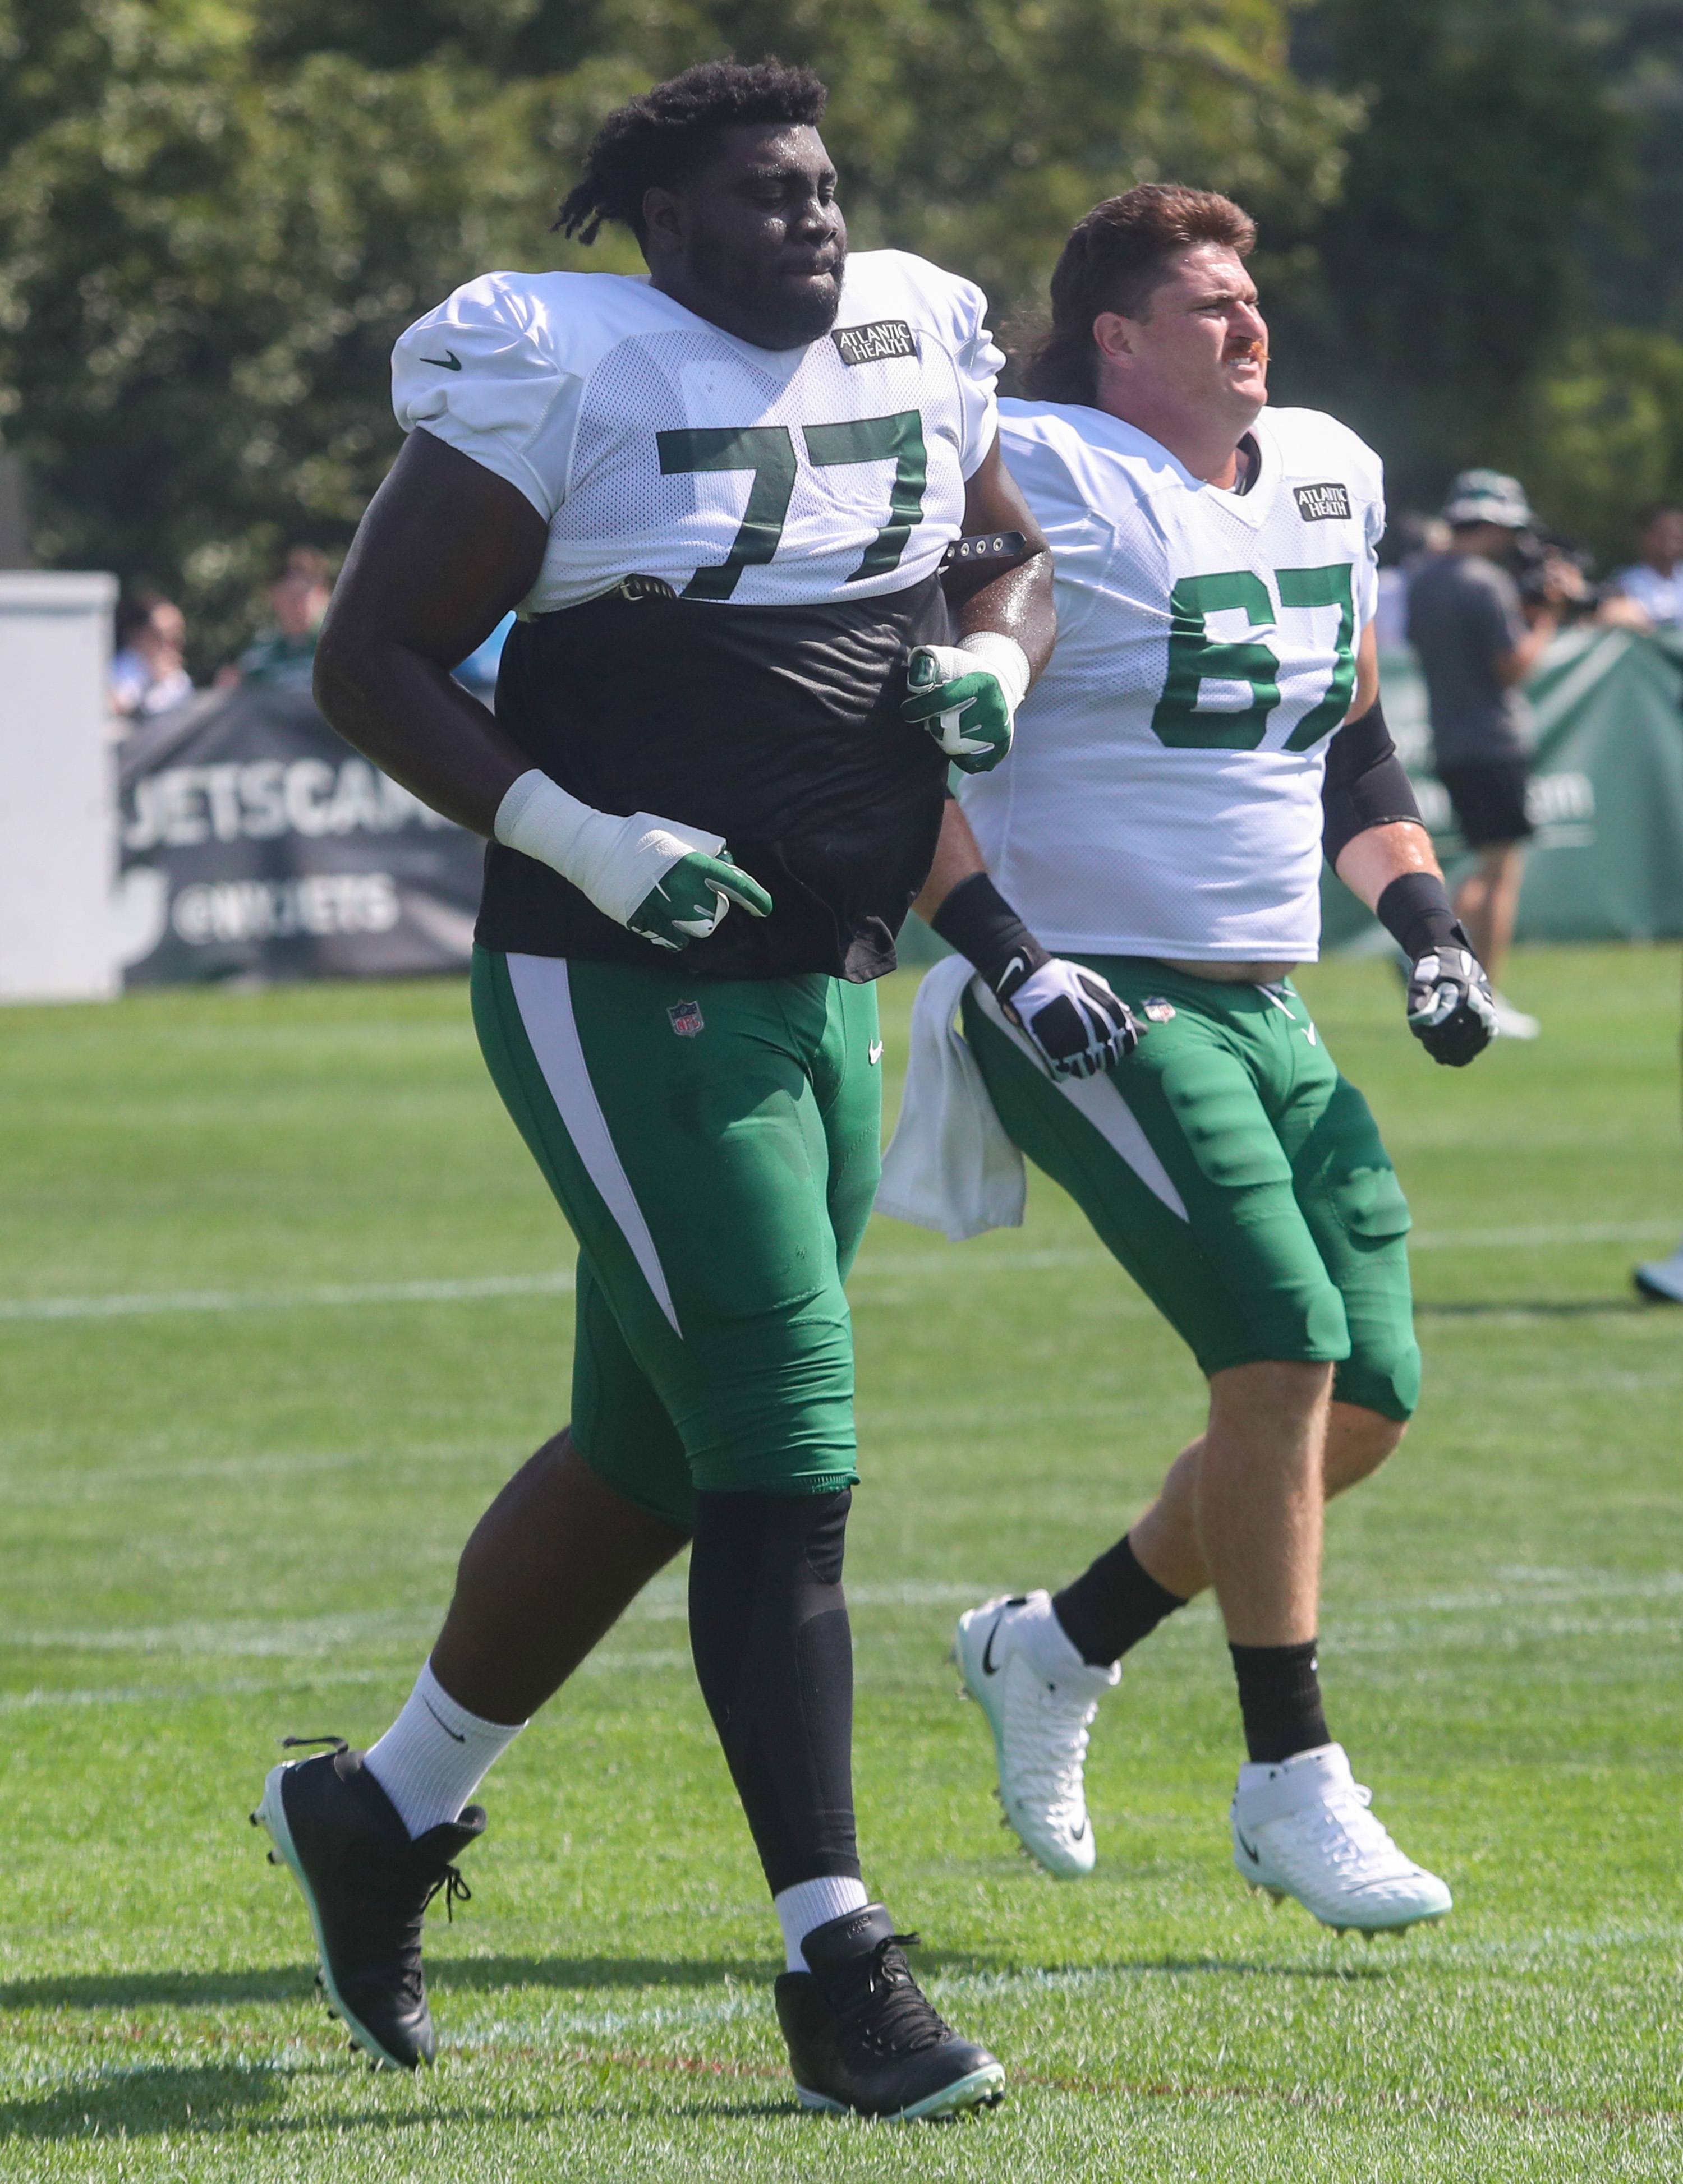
(950, 1164)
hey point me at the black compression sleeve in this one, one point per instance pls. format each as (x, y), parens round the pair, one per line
(978, 921)
(1415, 910)
(774, 1657)
(1365, 784)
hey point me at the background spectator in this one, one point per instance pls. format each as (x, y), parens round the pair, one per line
(298, 600)
(147, 674)
(1655, 582)
(1466, 621)
(1410, 541)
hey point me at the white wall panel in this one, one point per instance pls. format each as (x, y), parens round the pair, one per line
(57, 814)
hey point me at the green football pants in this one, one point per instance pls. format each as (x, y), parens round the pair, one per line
(1238, 1177)
(714, 1145)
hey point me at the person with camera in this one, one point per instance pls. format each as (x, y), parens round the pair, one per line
(1477, 643)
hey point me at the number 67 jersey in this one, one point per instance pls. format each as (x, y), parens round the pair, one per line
(742, 549)
(1163, 794)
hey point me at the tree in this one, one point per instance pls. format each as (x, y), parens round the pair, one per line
(1634, 251)
(215, 217)
(202, 266)
(1607, 434)
(1451, 272)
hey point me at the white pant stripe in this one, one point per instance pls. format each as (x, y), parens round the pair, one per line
(1103, 1106)
(544, 996)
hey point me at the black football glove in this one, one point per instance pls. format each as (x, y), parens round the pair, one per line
(1451, 1010)
(1072, 1016)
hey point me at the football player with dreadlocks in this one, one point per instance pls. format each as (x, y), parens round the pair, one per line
(718, 498)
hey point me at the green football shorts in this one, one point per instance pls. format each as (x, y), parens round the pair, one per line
(714, 1144)
(1235, 1174)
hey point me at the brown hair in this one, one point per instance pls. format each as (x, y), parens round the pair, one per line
(308, 562)
(135, 609)
(1113, 260)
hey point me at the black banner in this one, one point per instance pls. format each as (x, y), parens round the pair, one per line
(255, 841)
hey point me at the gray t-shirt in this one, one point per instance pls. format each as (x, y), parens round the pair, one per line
(1464, 614)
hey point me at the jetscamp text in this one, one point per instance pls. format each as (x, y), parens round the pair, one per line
(181, 805)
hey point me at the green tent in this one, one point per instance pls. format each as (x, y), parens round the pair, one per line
(1605, 792)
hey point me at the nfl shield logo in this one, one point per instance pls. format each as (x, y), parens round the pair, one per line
(686, 1019)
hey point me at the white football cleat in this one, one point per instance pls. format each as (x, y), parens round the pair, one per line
(1512, 1023)
(1039, 1697)
(1302, 1828)
(1663, 1279)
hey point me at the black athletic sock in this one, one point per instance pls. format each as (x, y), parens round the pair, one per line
(774, 1657)
(1279, 1695)
(1113, 1605)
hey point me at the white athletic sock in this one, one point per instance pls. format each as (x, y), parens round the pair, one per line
(435, 1755)
(809, 1903)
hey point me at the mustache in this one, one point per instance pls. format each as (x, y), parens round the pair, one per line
(1250, 352)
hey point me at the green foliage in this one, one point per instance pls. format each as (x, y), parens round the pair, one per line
(202, 264)
(1450, 264)
(215, 217)
(1635, 253)
(1608, 434)
(977, 131)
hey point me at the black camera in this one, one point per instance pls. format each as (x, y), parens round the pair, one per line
(1536, 556)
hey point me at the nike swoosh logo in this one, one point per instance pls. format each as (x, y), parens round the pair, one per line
(1255, 1856)
(1076, 1834)
(448, 362)
(442, 1723)
(875, 1052)
(987, 1668)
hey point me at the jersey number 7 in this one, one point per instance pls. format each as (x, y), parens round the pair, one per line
(1194, 655)
(768, 450)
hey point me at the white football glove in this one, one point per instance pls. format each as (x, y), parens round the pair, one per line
(667, 883)
(966, 695)
(1076, 1023)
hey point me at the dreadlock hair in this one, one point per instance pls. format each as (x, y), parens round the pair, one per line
(655, 140)
(1113, 260)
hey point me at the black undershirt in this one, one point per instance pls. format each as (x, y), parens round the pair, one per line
(777, 727)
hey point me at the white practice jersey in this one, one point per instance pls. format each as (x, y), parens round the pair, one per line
(1163, 795)
(655, 444)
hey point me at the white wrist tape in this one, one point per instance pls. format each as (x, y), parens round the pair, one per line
(1005, 658)
(617, 862)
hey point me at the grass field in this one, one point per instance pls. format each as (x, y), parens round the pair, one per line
(282, 1302)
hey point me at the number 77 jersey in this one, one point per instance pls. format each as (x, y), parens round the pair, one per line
(1163, 797)
(657, 446)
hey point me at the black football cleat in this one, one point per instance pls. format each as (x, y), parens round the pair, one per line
(367, 1887)
(863, 2038)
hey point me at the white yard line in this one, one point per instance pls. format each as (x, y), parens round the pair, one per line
(1531, 1604)
(1531, 1239)
(126, 1304)
(304, 1638)
(560, 1284)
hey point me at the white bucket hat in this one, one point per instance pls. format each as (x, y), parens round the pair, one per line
(1488, 497)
